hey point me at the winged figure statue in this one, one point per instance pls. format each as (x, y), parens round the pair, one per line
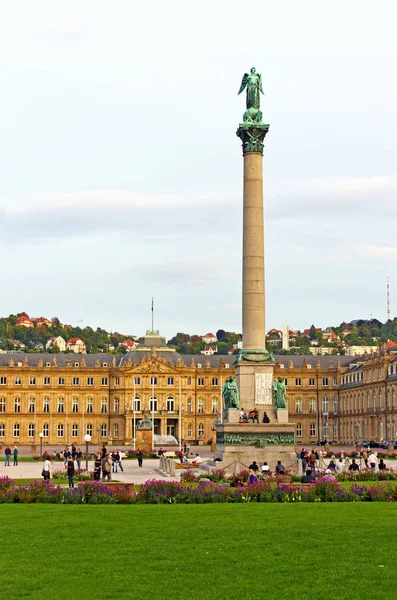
(253, 82)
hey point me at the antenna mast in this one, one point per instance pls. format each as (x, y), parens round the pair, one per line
(388, 298)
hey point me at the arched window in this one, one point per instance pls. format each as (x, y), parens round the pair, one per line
(17, 405)
(214, 405)
(298, 405)
(200, 406)
(312, 405)
(189, 405)
(75, 405)
(170, 403)
(104, 405)
(153, 404)
(61, 408)
(200, 430)
(189, 430)
(116, 406)
(137, 403)
(325, 404)
(46, 405)
(32, 405)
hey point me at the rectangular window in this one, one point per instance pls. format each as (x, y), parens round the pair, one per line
(31, 430)
(312, 405)
(32, 405)
(285, 382)
(2, 405)
(200, 431)
(214, 405)
(170, 381)
(189, 405)
(312, 430)
(47, 380)
(32, 380)
(200, 381)
(298, 381)
(88, 429)
(16, 430)
(117, 381)
(61, 406)
(45, 430)
(3, 380)
(325, 381)
(76, 381)
(137, 403)
(2, 430)
(215, 381)
(137, 380)
(200, 406)
(104, 381)
(60, 430)
(312, 381)
(18, 381)
(189, 381)
(17, 405)
(61, 381)
(104, 406)
(116, 406)
(335, 381)
(104, 430)
(299, 430)
(153, 381)
(189, 430)
(325, 404)
(75, 405)
(298, 405)
(46, 405)
(75, 430)
(90, 381)
(116, 430)
(89, 405)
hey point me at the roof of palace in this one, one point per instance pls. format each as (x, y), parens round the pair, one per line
(214, 361)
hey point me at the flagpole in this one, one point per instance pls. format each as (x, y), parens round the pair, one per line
(133, 408)
(152, 412)
(221, 407)
(180, 416)
(152, 314)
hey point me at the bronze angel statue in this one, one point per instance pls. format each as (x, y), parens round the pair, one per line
(253, 82)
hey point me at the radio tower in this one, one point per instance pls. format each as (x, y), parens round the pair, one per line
(388, 298)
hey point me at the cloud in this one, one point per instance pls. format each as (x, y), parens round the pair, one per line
(383, 252)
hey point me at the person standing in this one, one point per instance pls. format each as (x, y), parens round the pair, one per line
(106, 468)
(46, 472)
(66, 454)
(139, 455)
(98, 466)
(70, 471)
(7, 453)
(15, 454)
(121, 456)
(79, 456)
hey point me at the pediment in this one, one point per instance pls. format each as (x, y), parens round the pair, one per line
(153, 365)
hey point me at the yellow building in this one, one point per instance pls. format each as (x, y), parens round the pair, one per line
(66, 396)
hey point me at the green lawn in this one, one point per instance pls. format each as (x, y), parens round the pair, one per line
(182, 552)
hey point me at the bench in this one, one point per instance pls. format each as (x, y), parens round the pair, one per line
(186, 466)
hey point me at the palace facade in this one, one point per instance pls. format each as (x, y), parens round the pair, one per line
(65, 396)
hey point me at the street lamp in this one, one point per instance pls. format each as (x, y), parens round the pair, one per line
(87, 439)
(41, 435)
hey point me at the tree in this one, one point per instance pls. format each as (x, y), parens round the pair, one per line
(221, 335)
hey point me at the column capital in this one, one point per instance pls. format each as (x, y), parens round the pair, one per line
(252, 136)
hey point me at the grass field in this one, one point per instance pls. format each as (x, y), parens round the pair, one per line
(250, 551)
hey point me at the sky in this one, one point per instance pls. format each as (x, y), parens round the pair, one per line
(121, 172)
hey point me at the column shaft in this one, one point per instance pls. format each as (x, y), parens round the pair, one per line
(253, 254)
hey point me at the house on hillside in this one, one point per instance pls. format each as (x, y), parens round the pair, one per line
(24, 321)
(17, 344)
(209, 338)
(42, 321)
(390, 345)
(56, 341)
(76, 345)
(128, 344)
(210, 349)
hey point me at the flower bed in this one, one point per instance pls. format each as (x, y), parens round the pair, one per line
(325, 489)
